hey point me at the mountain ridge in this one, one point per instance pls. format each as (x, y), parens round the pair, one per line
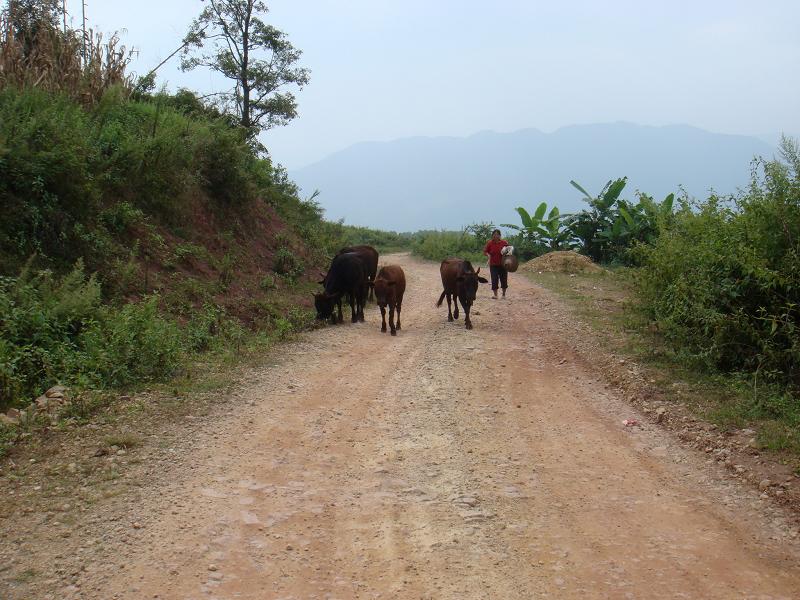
(434, 182)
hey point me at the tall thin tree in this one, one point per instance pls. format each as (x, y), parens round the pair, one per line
(230, 37)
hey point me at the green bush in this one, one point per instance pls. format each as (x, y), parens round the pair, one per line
(45, 183)
(267, 283)
(723, 282)
(55, 330)
(133, 344)
(383, 241)
(285, 262)
(438, 245)
(121, 216)
(203, 329)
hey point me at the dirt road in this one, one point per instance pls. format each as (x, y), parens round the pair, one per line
(444, 463)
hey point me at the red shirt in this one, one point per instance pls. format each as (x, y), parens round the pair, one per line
(492, 248)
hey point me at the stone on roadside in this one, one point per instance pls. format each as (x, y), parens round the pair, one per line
(764, 484)
(57, 391)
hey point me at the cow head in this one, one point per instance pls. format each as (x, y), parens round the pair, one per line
(324, 303)
(467, 283)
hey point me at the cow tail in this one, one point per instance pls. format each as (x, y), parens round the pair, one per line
(441, 299)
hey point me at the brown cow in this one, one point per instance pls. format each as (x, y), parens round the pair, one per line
(460, 281)
(370, 257)
(390, 285)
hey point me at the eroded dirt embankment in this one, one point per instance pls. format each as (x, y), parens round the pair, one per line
(442, 463)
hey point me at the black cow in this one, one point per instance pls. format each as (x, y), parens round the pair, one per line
(346, 277)
(370, 257)
(460, 282)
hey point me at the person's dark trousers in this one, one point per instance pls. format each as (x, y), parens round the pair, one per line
(498, 273)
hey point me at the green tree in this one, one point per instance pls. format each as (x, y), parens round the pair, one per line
(482, 231)
(256, 56)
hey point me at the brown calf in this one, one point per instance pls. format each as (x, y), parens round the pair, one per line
(460, 282)
(390, 285)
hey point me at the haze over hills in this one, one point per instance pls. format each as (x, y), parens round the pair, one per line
(448, 182)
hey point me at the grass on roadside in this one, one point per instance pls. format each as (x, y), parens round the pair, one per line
(607, 303)
(208, 375)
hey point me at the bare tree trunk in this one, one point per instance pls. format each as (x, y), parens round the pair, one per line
(245, 59)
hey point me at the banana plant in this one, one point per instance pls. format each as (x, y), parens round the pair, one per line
(588, 225)
(557, 236)
(548, 232)
(607, 196)
(531, 224)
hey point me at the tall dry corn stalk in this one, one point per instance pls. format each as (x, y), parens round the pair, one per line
(50, 59)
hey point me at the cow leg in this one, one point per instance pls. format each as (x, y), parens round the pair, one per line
(391, 319)
(467, 321)
(455, 304)
(449, 309)
(353, 308)
(362, 302)
(383, 318)
(371, 292)
(339, 306)
(398, 314)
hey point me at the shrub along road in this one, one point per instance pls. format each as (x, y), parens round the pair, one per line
(442, 463)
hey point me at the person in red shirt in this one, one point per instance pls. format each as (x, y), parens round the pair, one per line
(492, 250)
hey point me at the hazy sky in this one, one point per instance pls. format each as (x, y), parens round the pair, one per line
(384, 70)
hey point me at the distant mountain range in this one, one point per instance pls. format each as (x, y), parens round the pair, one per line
(448, 182)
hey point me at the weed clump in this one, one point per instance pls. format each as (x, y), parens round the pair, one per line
(56, 330)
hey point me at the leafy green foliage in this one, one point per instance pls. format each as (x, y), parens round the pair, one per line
(723, 282)
(120, 217)
(438, 245)
(135, 186)
(287, 263)
(539, 234)
(56, 330)
(611, 226)
(599, 217)
(383, 241)
(72, 179)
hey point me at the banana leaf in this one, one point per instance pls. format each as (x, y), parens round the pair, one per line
(526, 218)
(578, 187)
